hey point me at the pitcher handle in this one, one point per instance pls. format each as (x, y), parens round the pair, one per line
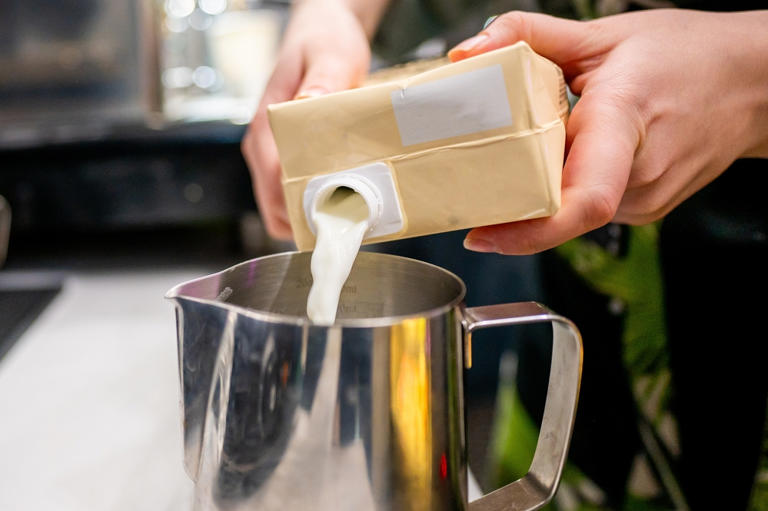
(539, 485)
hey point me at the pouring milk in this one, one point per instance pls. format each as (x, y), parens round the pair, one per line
(341, 222)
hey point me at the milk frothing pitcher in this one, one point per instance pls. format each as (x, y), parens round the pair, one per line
(363, 415)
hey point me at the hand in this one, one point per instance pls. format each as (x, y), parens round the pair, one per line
(325, 49)
(669, 99)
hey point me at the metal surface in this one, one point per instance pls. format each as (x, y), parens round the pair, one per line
(364, 415)
(540, 484)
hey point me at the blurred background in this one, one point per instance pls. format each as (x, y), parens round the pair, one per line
(121, 176)
(121, 172)
(120, 168)
(127, 116)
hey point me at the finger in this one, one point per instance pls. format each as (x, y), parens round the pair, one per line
(330, 72)
(260, 152)
(594, 178)
(285, 79)
(261, 155)
(560, 40)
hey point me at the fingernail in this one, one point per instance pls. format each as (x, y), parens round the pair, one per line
(490, 20)
(479, 245)
(467, 46)
(311, 92)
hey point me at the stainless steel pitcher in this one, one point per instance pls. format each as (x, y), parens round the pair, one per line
(364, 415)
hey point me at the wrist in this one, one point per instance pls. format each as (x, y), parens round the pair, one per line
(367, 12)
(753, 75)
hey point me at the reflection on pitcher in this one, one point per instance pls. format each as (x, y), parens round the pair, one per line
(410, 411)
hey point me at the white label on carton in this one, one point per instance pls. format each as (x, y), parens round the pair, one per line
(458, 105)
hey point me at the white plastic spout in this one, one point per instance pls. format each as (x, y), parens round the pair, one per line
(369, 194)
(375, 185)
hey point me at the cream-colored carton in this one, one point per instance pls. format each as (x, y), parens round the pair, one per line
(458, 145)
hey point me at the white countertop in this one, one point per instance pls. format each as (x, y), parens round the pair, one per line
(89, 400)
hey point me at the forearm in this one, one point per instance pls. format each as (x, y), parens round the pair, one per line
(368, 12)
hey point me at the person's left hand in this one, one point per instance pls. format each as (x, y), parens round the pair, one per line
(325, 49)
(669, 99)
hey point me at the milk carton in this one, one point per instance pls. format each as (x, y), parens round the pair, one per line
(431, 147)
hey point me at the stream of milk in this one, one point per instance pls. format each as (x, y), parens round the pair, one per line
(341, 222)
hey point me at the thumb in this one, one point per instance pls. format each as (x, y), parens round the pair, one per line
(560, 40)
(329, 72)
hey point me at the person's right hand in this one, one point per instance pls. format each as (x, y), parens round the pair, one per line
(669, 98)
(325, 49)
